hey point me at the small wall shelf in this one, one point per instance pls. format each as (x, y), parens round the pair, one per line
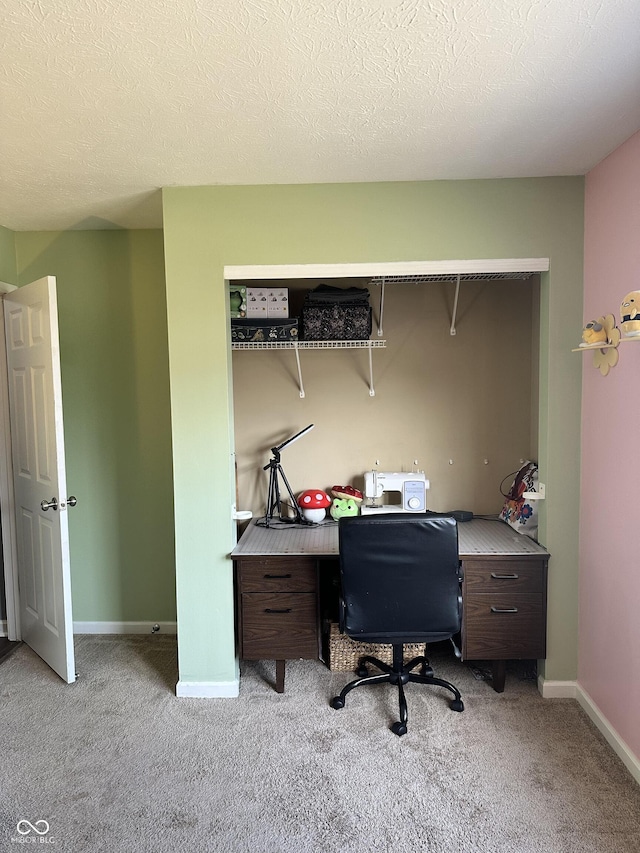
(296, 346)
(605, 355)
(589, 347)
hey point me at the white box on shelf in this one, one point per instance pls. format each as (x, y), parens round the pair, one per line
(257, 301)
(277, 302)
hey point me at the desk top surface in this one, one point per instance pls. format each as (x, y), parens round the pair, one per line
(477, 538)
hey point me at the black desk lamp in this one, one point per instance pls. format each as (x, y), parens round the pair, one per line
(273, 498)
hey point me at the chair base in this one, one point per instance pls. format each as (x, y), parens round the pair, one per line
(400, 674)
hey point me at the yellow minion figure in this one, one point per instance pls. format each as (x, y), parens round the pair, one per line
(630, 315)
(593, 333)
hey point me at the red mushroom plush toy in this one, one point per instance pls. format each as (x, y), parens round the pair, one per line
(314, 503)
(347, 493)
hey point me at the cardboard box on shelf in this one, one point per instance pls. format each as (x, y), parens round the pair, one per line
(268, 302)
(257, 302)
(278, 302)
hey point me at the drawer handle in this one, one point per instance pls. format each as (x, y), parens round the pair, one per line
(504, 609)
(272, 577)
(498, 577)
(275, 610)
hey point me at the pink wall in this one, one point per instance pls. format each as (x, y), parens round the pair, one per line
(609, 594)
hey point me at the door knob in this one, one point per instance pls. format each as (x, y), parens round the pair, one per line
(72, 500)
(52, 504)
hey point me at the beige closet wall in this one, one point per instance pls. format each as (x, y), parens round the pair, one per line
(466, 398)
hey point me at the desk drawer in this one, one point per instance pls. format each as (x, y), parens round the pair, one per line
(277, 574)
(504, 576)
(503, 626)
(279, 626)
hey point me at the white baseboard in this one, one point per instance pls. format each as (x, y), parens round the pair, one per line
(123, 627)
(621, 749)
(557, 689)
(186, 689)
(572, 690)
(208, 689)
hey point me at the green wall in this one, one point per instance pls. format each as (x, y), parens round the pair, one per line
(8, 271)
(206, 228)
(113, 341)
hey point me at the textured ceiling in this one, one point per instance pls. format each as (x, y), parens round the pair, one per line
(102, 102)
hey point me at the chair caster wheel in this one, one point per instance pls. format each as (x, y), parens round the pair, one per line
(362, 671)
(457, 705)
(337, 703)
(426, 670)
(399, 729)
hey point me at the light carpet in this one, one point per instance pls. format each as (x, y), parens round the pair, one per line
(116, 762)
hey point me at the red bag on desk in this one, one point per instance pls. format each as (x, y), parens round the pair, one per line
(518, 512)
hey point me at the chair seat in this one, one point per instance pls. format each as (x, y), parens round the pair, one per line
(393, 639)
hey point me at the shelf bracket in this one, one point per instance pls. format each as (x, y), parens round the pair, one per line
(372, 391)
(452, 330)
(381, 311)
(297, 352)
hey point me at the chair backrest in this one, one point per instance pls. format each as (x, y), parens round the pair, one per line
(400, 577)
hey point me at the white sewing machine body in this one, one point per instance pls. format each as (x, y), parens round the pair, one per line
(411, 486)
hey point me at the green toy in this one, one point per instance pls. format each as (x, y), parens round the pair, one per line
(340, 507)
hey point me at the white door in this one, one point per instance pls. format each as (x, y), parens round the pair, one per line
(40, 488)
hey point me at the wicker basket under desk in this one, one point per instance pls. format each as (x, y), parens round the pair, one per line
(344, 653)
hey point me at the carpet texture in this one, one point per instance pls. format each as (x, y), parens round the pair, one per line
(116, 762)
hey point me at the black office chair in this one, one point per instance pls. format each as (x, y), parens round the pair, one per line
(400, 583)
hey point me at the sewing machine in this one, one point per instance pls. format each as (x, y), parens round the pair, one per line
(412, 488)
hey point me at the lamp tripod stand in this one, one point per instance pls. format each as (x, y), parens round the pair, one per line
(274, 497)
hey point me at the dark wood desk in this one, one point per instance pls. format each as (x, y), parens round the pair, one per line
(278, 579)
